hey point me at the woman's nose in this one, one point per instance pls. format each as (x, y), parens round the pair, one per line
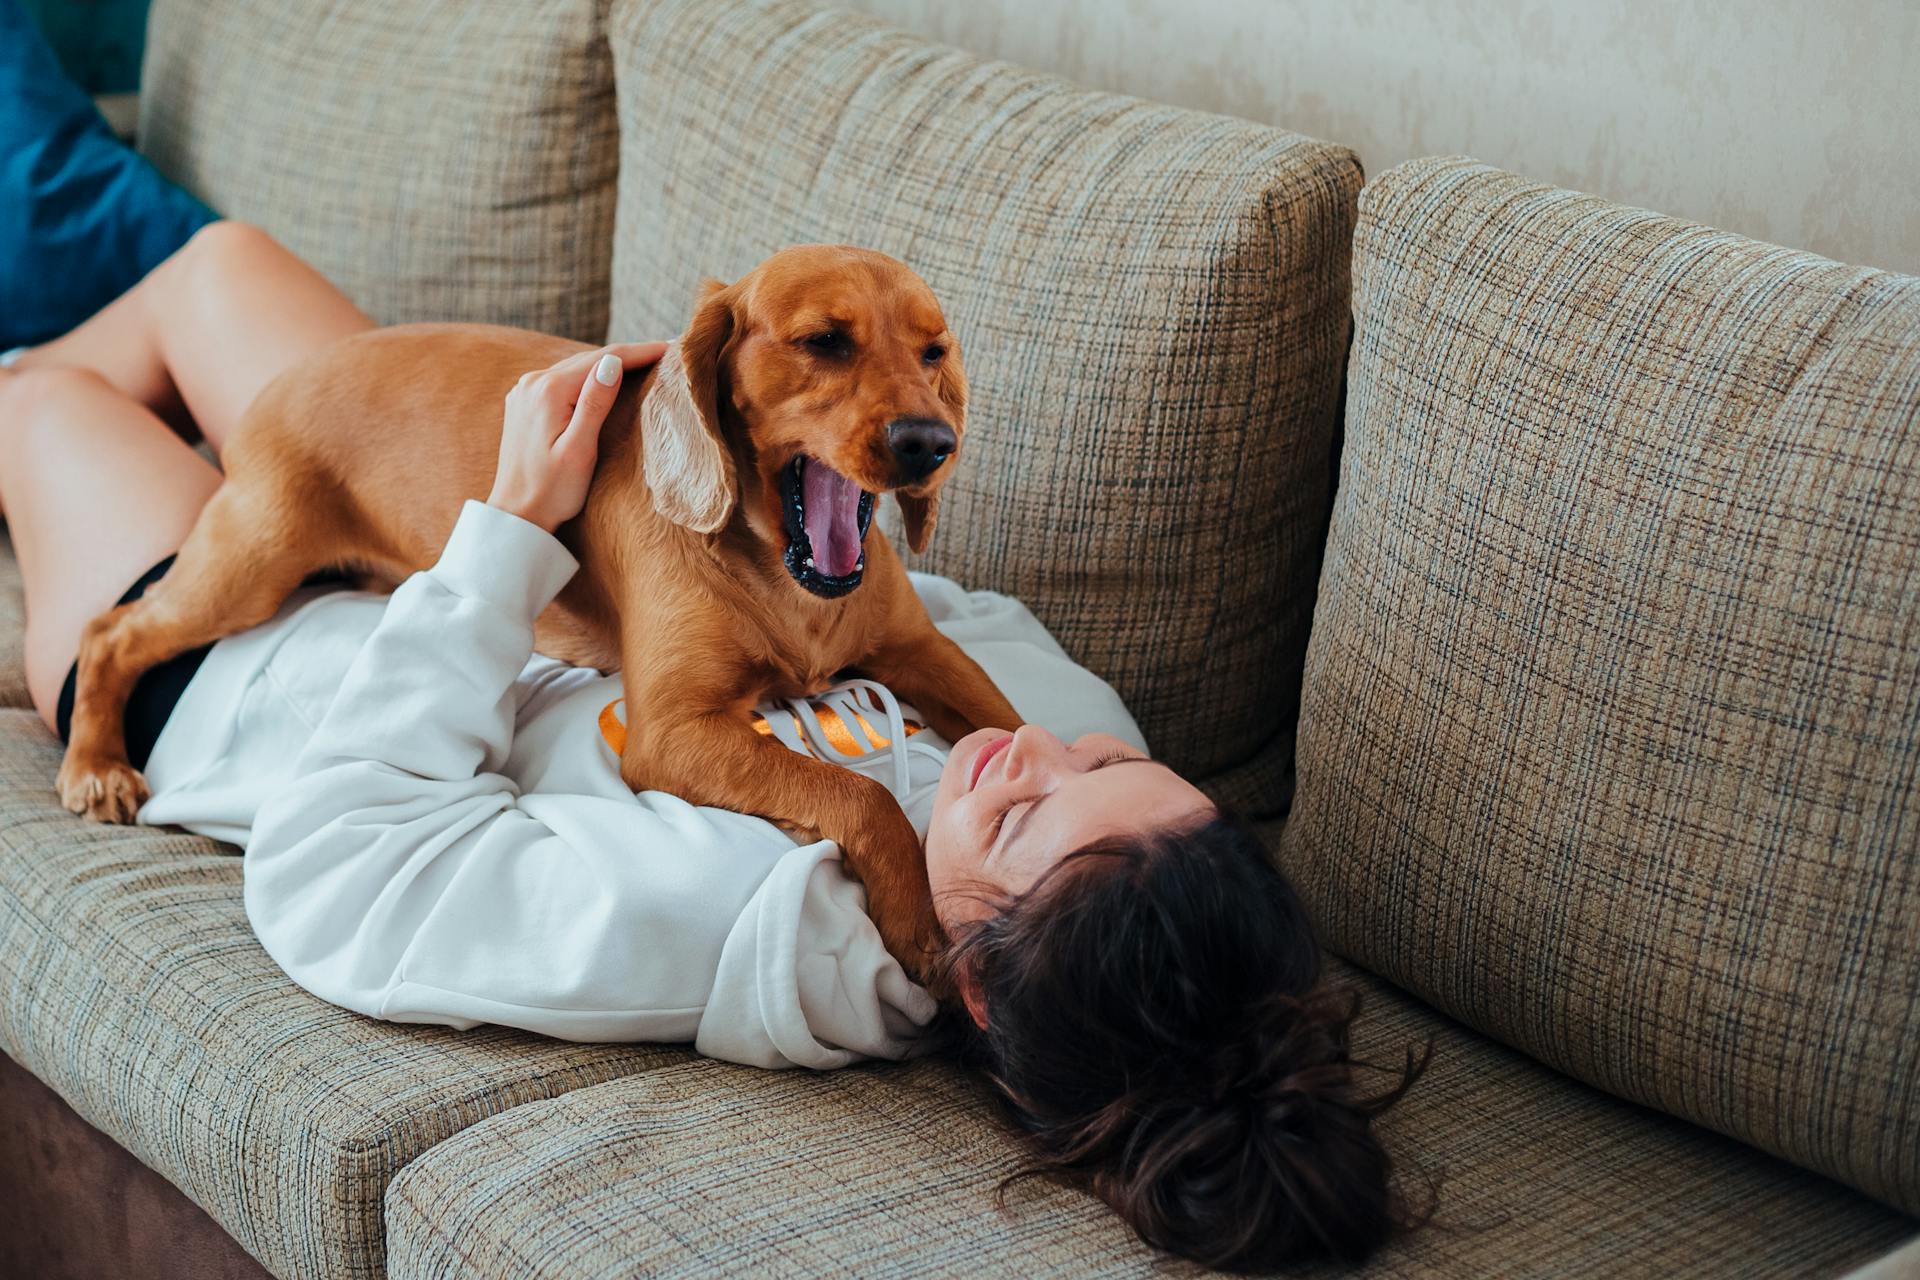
(1033, 748)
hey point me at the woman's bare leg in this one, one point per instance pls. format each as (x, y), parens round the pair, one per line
(95, 486)
(96, 490)
(198, 338)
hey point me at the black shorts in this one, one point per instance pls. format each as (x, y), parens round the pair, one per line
(153, 698)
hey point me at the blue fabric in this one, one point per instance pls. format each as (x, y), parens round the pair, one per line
(98, 42)
(82, 217)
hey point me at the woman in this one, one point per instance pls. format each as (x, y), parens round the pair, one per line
(436, 830)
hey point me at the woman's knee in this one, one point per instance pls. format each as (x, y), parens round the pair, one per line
(224, 248)
(30, 397)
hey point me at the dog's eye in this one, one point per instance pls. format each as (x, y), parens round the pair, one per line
(933, 353)
(830, 343)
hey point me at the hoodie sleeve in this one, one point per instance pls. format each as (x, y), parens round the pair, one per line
(396, 846)
(402, 873)
(804, 980)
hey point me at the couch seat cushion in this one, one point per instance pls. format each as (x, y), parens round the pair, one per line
(707, 1169)
(13, 620)
(1610, 737)
(435, 162)
(131, 983)
(1152, 305)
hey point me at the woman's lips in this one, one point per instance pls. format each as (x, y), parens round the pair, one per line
(985, 754)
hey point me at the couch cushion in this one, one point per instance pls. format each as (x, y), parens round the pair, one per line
(13, 618)
(131, 983)
(1610, 739)
(435, 163)
(75, 1205)
(1152, 304)
(708, 1169)
(1902, 1264)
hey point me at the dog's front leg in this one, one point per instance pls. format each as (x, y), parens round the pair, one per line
(934, 674)
(714, 757)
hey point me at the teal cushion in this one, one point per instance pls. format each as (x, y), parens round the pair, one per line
(82, 217)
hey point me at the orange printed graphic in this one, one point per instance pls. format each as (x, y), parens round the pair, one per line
(613, 727)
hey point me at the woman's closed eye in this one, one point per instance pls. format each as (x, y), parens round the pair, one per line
(1113, 756)
(1006, 811)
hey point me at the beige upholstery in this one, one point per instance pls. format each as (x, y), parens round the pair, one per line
(725, 1171)
(1152, 304)
(1609, 738)
(13, 615)
(132, 985)
(435, 162)
(1610, 742)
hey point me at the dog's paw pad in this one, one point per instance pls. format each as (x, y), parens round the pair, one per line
(105, 792)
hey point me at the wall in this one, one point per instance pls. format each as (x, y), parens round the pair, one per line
(1795, 123)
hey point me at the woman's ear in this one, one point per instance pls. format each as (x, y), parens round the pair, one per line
(968, 984)
(687, 465)
(919, 513)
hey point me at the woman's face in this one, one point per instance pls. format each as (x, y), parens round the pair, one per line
(1010, 805)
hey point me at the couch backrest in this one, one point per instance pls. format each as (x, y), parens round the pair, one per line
(437, 162)
(1152, 304)
(1610, 736)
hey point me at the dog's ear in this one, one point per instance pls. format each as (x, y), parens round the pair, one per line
(918, 514)
(950, 384)
(688, 467)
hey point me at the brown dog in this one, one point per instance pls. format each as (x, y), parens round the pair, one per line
(725, 550)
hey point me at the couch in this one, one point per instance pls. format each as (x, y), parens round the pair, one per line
(1539, 574)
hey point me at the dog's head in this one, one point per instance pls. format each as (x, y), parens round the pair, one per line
(798, 394)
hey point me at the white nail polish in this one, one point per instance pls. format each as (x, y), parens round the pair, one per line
(607, 372)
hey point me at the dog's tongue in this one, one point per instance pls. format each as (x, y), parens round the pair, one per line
(832, 518)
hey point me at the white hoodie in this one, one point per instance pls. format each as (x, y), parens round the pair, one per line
(436, 829)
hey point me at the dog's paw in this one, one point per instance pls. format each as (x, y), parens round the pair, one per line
(103, 790)
(915, 940)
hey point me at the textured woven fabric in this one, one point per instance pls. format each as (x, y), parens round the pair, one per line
(1902, 1264)
(13, 618)
(436, 162)
(1152, 305)
(131, 983)
(1610, 739)
(710, 1170)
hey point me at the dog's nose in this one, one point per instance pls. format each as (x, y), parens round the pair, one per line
(920, 445)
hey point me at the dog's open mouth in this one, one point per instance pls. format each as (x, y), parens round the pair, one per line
(827, 517)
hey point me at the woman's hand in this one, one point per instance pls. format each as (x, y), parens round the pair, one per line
(551, 436)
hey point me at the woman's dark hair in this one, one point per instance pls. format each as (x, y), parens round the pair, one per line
(1158, 1026)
